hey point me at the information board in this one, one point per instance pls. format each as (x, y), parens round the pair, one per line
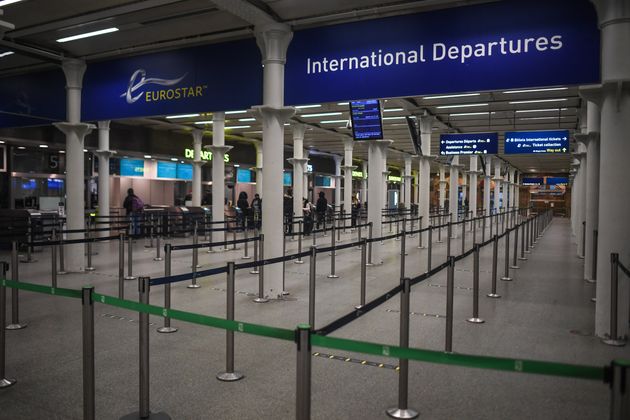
(469, 144)
(131, 167)
(243, 175)
(557, 180)
(366, 120)
(166, 169)
(288, 178)
(185, 171)
(532, 181)
(525, 142)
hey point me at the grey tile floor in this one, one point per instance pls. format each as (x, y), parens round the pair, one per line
(545, 313)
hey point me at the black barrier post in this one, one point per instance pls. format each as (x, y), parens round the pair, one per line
(230, 375)
(402, 254)
(483, 228)
(4, 381)
(167, 292)
(359, 232)
(284, 253)
(89, 252)
(495, 256)
(300, 235)
(130, 275)
(439, 241)
(594, 259)
(491, 217)
(420, 233)
(89, 381)
(363, 273)
(312, 272)
(333, 254)
(429, 247)
(195, 263)
(121, 266)
(303, 369)
(514, 265)
(450, 285)
(256, 246)
(246, 243)
(15, 299)
(506, 273)
(157, 249)
(522, 257)
(53, 260)
(369, 263)
(614, 339)
(475, 318)
(397, 238)
(527, 236)
(464, 236)
(62, 257)
(261, 272)
(402, 411)
(620, 391)
(448, 240)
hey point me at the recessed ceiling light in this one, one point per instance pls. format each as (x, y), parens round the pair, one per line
(62, 151)
(394, 118)
(253, 132)
(307, 106)
(535, 90)
(43, 146)
(8, 2)
(343, 103)
(466, 114)
(87, 35)
(85, 150)
(171, 117)
(459, 106)
(21, 147)
(203, 122)
(237, 126)
(518, 111)
(242, 111)
(1, 141)
(333, 121)
(459, 95)
(4, 54)
(236, 165)
(147, 156)
(534, 101)
(174, 159)
(247, 119)
(540, 118)
(393, 110)
(323, 114)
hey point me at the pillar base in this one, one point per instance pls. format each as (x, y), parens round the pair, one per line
(615, 343)
(402, 413)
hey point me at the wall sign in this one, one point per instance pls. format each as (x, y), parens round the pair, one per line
(525, 142)
(469, 144)
(205, 155)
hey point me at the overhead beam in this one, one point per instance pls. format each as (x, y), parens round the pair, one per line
(33, 52)
(248, 11)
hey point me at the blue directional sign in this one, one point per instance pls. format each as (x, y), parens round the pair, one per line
(523, 142)
(533, 181)
(469, 144)
(366, 120)
(551, 180)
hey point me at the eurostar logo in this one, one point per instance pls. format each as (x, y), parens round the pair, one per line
(139, 80)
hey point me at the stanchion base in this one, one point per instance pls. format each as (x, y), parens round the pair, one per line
(166, 330)
(130, 278)
(475, 320)
(590, 281)
(332, 276)
(493, 295)
(522, 259)
(61, 273)
(402, 413)
(285, 293)
(439, 242)
(193, 286)
(506, 278)
(197, 266)
(12, 327)
(152, 416)
(28, 261)
(230, 376)
(158, 259)
(528, 251)
(254, 272)
(514, 267)
(616, 343)
(593, 300)
(5, 382)
(89, 269)
(261, 300)
(358, 307)
(246, 258)
(298, 262)
(581, 257)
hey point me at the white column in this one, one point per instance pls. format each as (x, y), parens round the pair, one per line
(464, 185)
(299, 166)
(75, 133)
(506, 188)
(517, 191)
(218, 149)
(472, 201)
(424, 173)
(197, 163)
(443, 182)
(103, 154)
(575, 191)
(364, 181)
(348, 145)
(273, 40)
(259, 167)
(337, 160)
(486, 186)
(376, 153)
(497, 184)
(614, 190)
(385, 180)
(305, 154)
(453, 192)
(407, 182)
(581, 203)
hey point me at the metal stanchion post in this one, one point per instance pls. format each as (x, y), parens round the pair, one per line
(333, 254)
(439, 241)
(89, 252)
(53, 260)
(15, 301)
(312, 272)
(420, 233)
(195, 263)
(397, 238)
(411, 227)
(495, 256)
(166, 329)
(284, 253)
(514, 265)
(448, 239)
(483, 228)
(583, 240)
(473, 227)
(261, 298)
(429, 247)
(402, 411)
(620, 391)
(359, 233)
(339, 229)
(89, 381)
(303, 369)
(363, 273)
(475, 318)
(234, 247)
(121, 265)
(522, 257)
(4, 381)
(300, 235)
(527, 236)
(195, 251)
(369, 263)
(506, 272)
(402, 254)
(229, 375)
(491, 223)
(450, 284)
(157, 249)
(594, 257)
(62, 257)
(464, 236)
(614, 339)
(256, 245)
(129, 275)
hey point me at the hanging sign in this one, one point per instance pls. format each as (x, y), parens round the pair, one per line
(469, 144)
(525, 142)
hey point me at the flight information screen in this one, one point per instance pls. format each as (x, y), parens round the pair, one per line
(366, 120)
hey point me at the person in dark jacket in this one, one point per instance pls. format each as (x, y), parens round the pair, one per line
(257, 210)
(287, 206)
(133, 207)
(243, 206)
(320, 208)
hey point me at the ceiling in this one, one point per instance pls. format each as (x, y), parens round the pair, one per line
(152, 25)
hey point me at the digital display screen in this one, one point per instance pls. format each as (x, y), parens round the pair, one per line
(525, 142)
(366, 120)
(55, 184)
(243, 175)
(288, 178)
(131, 167)
(533, 181)
(469, 144)
(322, 181)
(557, 180)
(166, 169)
(185, 171)
(29, 185)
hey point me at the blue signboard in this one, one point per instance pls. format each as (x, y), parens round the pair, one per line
(322, 181)
(288, 179)
(185, 171)
(522, 142)
(131, 167)
(366, 120)
(243, 175)
(557, 180)
(469, 144)
(166, 169)
(532, 181)
(55, 184)
(506, 44)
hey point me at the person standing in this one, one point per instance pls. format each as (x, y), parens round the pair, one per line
(257, 208)
(320, 208)
(133, 206)
(243, 206)
(288, 211)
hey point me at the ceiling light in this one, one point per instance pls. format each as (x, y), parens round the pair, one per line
(8, 2)
(62, 151)
(87, 35)
(536, 90)
(252, 132)
(393, 110)
(203, 122)
(393, 118)
(4, 54)
(1, 141)
(307, 106)
(21, 147)
(323, 114)
(541, 110)
(247, 119)
(333, 121)
(534, 101)
(170, 117)
(459, 106)
(465, 114)
(343, 103)
(43, 146)
(238, 126)
(540, 118)
(286, 124)
(236, 165)
(242, 111)
(459, 95)
(85, 150)
(147, 156)
(174, 159)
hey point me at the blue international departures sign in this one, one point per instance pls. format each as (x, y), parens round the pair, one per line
(525, 142)
(469, 144)
(506, 44)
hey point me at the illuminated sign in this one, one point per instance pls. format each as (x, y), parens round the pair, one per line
(393, 178)
(309, 168)
(357, 174)
(205, 155)
(469, 144)
(525, 142)
(131, 167)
